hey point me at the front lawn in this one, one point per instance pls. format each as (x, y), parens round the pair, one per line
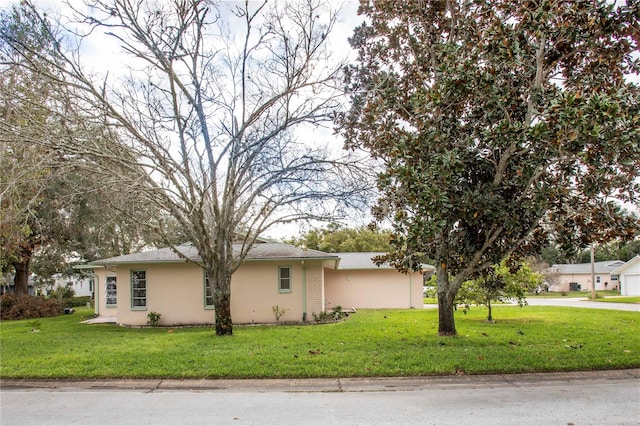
(369, 343)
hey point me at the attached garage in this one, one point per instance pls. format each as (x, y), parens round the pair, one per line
(629, 277)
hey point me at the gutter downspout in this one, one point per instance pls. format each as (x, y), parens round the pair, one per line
(304, 292)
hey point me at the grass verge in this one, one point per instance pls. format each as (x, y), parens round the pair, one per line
(369, 343)
(620, 299)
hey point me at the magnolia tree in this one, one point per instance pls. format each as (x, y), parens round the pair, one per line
(219, 111)
(497, 122)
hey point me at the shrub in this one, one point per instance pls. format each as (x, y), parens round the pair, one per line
(62, 292)
(279, 312)
(336, 315)
(26, 307)
(153, 318)
(73, 302)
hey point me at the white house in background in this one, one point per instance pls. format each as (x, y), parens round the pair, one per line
(629, 276)
(81, 286)
(577, 276)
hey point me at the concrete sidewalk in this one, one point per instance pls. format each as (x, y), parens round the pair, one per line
(372, 384)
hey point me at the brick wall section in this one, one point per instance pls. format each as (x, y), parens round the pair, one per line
(315, 290)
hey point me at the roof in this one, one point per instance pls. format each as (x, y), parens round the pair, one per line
(624, 266)
(605, 267)
(364, 260)
(261, 251)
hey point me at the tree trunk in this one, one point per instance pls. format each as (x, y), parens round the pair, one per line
(21, 280)
(446, 322)
(222, 300)
(489, 317)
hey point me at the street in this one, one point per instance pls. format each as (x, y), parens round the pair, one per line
(581, 398)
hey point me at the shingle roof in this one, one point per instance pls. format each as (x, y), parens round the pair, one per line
(261, 251)
(585, 268)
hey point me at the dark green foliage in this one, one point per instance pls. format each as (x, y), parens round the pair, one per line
(505, 282)
(74, 302)
(497, 122)
(335, 238)
(25, 307)
(153, 318)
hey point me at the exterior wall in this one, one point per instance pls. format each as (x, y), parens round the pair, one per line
(382, 288)
(563, 280)
(254, 293)
(176, 291)
(315, 290)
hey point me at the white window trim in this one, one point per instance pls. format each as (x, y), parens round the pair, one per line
(280, 278)
(106, 291)
(146, 289)
(204, 289)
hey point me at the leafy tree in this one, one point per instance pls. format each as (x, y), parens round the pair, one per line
(614, 250)
(55, 207)
(502, 283)
(211, 110)
(497, 122)
(335, 238)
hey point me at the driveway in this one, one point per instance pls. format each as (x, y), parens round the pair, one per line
(574, 303)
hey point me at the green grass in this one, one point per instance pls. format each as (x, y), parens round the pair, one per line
(621, 299)
(369, 343)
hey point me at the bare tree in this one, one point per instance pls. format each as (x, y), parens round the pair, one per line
(213, 109)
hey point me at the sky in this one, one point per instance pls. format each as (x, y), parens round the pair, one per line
(104, 54)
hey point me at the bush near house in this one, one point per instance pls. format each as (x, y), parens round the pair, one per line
(75, 302)
(25, 307)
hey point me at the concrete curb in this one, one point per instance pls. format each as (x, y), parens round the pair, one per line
(372, 384)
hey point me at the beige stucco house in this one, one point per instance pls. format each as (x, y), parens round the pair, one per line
(629, 277)
(302, 281)
(569, 277)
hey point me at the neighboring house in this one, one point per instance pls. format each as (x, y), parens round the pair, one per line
(571, 277)
(629, 276)
(81, 286)
(302, 281)
(7, 286)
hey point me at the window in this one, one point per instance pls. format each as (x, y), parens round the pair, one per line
(284, 279)
(111, 294)
(208, 292)
(138, 289)
(614, 277)
(598, 279)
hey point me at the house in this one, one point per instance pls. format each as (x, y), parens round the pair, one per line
(303, 282)
(629, 277)
(81, 286)
(358, 282)
(571, 277)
